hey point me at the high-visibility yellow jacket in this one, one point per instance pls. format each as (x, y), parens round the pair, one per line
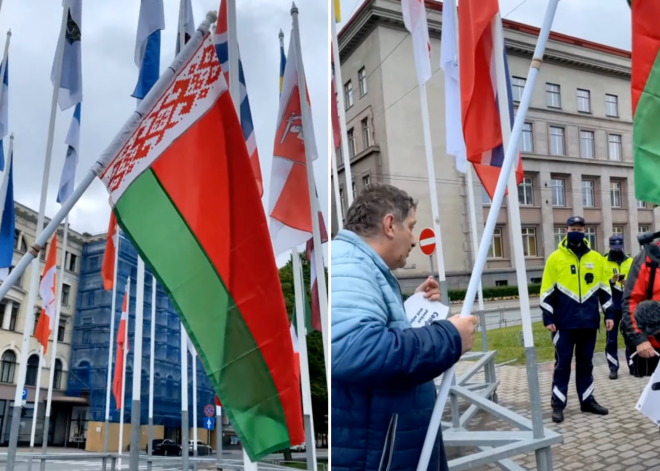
(611, 268)
(573, 288)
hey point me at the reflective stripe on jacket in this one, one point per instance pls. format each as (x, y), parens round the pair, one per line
(573, 288)
(611, 268)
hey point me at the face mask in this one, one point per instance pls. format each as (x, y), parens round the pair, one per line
(616, 255)
(575, 238)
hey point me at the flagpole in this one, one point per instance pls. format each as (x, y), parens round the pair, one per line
(318, 252)
(123, 371)
(484, 245)
(194, 404)
(232, 43)
(34, 250)
(335, 180)
(56, 324)
(341, 107)
(113, 308)
(308, 415)
(185, 423)
(5, 176)
(137, 368)
(475, 248)
(35, 414)
(152, 350)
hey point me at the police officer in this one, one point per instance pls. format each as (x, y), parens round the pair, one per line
(571, 291)
(616, 269)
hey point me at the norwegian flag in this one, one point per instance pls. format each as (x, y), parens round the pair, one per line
(221, 41)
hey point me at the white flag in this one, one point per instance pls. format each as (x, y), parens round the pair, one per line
(414, 17)
(71, 79)
(449, 64)
(68, 180)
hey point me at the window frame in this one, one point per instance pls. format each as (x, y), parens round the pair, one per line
(352, 145)
(552, 93)
(592, 231)
(640, 231)
(592, 146)
(366, 132)
(616, 105)
(592, 191)
(10, 365)
(362, 82)
(613, 191)
(526, 185)
(517, 88)
(527, 133)
(552, 138)
(67, 291)
(642, 204)
(497, 235)
(618, 145)
(582, 99)
(563, 192)
(348, 95)
(558, 231)
(527, 233)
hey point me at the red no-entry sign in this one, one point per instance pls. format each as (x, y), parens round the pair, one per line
(427, 241)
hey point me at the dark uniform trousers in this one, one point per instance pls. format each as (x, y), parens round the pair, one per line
(583, 342)
(612, 346)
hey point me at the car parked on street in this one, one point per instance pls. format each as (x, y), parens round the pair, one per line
(168, 448)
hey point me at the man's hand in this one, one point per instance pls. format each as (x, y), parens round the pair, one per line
(465, 326)
(430, 288)
(609, 324)
(645, 350)
(551, 328)
(614, 279)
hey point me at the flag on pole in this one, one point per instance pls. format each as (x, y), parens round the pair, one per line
(68, 180)
(147, 45)
(122, 345)
(337, 11)
(187, 22)
(47, 290)
(480, 114)
(111, 244)
(7, 227)
(221, 41)
(71, 80)
(449, 64)
(290, 208)
(314, 286)
(645, 86)
(414, 18)
(282, 62)
(334, 111)
(4, 113)
(210, 269)
(296, 352)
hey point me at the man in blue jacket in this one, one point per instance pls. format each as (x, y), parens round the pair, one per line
(382, 369)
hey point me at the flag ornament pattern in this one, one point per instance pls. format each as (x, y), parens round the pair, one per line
(221, 41)
(147, 45)
(414, 18)
(645, 85)
(111, 246)
(47, 290)
(218, 276)
(68, 180)
(71, 79)
(122, 347)
(480, 114)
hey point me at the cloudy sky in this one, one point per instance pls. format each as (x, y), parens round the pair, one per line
(109, 77)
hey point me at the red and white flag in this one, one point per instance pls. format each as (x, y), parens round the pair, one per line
(334, 110)
(108, 269)
(122, 345)
(296, 352)
(47, 290)
(316, 306)
(414, 18)
(290, 207)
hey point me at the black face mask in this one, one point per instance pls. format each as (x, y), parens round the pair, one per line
(617, 255)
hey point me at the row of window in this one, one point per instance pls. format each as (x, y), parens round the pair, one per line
(21, 246)
(352, 143)
(8, 370)
(365, 181)
(530, 240)
(11, 326)
(553, 97)
(558, 142)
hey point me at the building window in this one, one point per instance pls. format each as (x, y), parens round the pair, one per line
(366, 133)
(529, 241)
(340, 156)
(362, 78)
(86, 337)
(558, 192)
(8, 367)
(66, 290)
(12, 315)
(495, 250)
(527, 141)
(615, 146)
(617, 230)
(354, 191)
(57, 378)
(612, 105)
(366, 180)
(352, 149)
(60, 331)
(584, 101)
(37, 315)
(44, 251)
(341, 202)
(590, 235)
(641, 204)
(21, 245)
(501, 283)
(615, 194)
(642, 229)
(552, 95)
(89, 298)
(557, 146)
(588, 197)
(348, 94)
(32, 371)
(485, 199)
(93, 263)
(526, 192)
(587, 144)
(559, 235)
(517, 87)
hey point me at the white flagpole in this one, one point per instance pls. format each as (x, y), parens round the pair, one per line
(310, 437)
(232, 43)
(318, 252)
(152, 351)
(507, 168)
(56, 324)
(185, 423)
(5, 176)
(123, 373)
(194, 404)
(35, 413)
(341, 107)
(475, 248)
(137, 369)
(35, 249)
(113, 304)
(335, 180)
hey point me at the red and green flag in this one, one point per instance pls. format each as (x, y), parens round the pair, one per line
(183, 191)
(645, 85)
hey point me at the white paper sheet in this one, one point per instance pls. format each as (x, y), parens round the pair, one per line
(649, 401)
(421, 311)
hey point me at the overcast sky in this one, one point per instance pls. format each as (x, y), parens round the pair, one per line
(110, 74)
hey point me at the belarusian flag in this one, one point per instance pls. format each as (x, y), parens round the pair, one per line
(108, 268)
(122, 347)
(184, 193)
(645, 85)
(47, 292)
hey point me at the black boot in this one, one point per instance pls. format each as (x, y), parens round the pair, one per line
(557, 415)
(592, 407)
(613, 374)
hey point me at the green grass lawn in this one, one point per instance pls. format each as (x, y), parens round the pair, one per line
(509, 346)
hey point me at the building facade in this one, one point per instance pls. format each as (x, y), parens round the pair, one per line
(576, 143)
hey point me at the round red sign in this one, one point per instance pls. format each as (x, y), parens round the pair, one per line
(427, 241)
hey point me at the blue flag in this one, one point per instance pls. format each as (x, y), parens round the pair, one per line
(68, 179)
(7, 225)
(147, 49)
